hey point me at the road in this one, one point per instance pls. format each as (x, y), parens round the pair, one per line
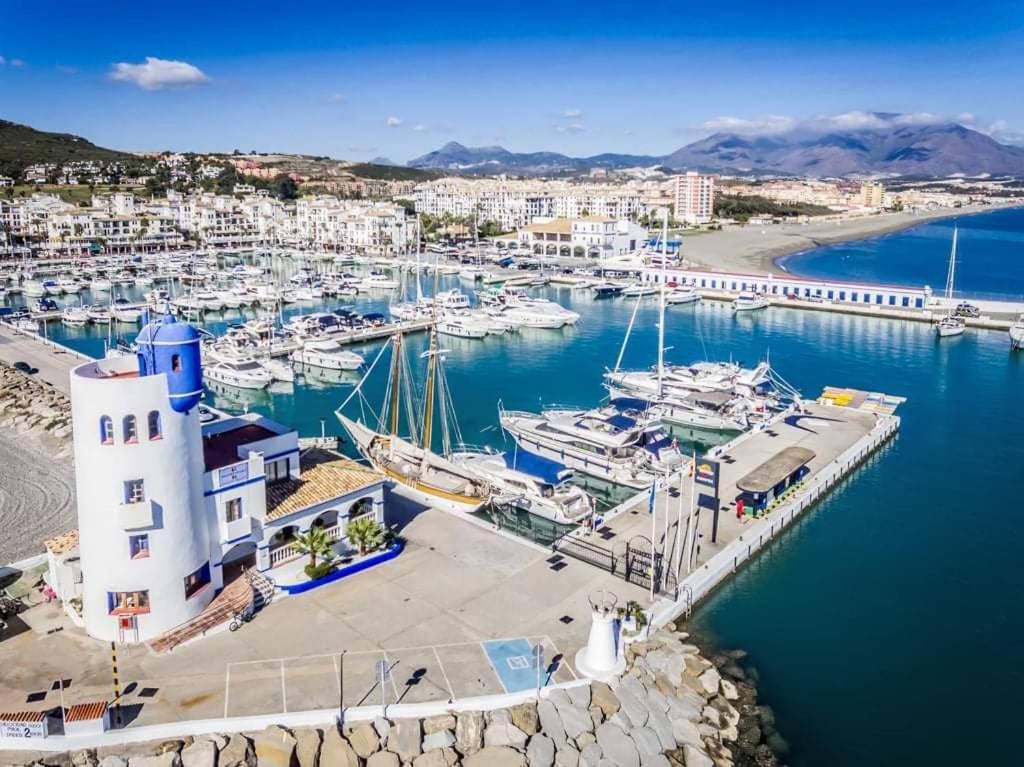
(54, 362)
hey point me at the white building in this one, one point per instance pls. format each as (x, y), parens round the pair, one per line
(695, 197)
(176, 501)
(590, 236)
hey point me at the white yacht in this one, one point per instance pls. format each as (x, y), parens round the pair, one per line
(379, 281)
(1017, 334)
(529, 482)
(327, 353)
(125, 311)
(952, 324)
(748, 301)
(686, 294)
(461, 327)
(98, 314)
(100, 285)
(601, 443)
(639, 290)
(75, 316)
(241, 373)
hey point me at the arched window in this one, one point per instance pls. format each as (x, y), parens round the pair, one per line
(154, 424)
(130, 429)
(175, 363)
(106, 430)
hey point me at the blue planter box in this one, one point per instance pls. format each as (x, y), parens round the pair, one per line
(344, 572)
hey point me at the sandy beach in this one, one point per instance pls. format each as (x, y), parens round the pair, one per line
(756, 249)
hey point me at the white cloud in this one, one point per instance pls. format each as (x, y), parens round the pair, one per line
(156, 74)
(572, 114)
(760, 126)
(774, 125)
(336, 98)
(419, 127)
(2, 61)
(570, 128)
(1001, 131)
(393, 122)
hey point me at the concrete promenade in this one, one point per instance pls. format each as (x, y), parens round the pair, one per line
(52, 361)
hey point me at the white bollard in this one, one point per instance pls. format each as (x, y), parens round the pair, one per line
(601, 659)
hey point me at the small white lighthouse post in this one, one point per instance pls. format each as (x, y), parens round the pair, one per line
(601, 658)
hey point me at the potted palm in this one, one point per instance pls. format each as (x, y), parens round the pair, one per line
(317, 544)
(365, 534)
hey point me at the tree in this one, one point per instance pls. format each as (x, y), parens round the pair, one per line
(365, 533)
(284, 187)
(317, 544)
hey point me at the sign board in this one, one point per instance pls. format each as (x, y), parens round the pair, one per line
(705, 501)
(23, 730)
(705, 472)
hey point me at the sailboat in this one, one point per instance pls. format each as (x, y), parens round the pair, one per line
(950, 325)
(419, 473)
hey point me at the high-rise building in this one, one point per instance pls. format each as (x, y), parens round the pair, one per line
(695, 197)
(871, 195)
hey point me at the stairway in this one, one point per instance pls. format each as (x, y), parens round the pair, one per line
(237, 597)
(262, 589)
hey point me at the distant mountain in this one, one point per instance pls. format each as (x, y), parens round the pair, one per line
(21, 146)
(939, 149)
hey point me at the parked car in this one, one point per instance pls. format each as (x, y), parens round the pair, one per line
(25, 368)
(965, 309)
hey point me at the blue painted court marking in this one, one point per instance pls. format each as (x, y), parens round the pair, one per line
(512, 660)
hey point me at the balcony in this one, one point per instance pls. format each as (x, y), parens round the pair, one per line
(135, 516)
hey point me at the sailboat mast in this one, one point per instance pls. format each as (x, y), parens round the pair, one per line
(951, 274)
(661, 306)
(428, 404)
(396, 372)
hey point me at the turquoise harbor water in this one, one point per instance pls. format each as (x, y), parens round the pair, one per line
(880, 621)
(990, 256)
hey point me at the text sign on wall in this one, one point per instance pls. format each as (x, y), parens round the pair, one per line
(22, 730)
(238, 472)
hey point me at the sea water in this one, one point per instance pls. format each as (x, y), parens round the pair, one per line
(886, 625)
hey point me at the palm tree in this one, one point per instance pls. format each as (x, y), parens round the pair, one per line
(316, 543)
(365, 533)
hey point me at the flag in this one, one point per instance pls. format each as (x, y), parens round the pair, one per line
(650, 506)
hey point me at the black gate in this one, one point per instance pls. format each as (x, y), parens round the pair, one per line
(633, 562)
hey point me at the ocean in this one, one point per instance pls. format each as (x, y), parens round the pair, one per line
(877, 621)
(990, 256)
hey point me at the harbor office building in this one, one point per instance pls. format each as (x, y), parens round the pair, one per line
(175, 500)
(786, 286)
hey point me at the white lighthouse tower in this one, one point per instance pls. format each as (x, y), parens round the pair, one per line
(144, 540)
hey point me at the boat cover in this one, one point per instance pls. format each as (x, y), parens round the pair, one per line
(620, 422)
(547, 471)
(629, 403)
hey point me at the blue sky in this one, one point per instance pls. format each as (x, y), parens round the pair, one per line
(396, 79)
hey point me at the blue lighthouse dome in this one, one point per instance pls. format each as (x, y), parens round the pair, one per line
(169, 347)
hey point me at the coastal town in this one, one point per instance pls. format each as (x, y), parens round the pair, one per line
(508, 386)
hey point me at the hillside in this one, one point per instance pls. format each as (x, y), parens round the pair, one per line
(21, 146)
(896, 148)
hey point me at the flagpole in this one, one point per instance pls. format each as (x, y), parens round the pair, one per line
(654, 517)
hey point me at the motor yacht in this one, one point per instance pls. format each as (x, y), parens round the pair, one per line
(1017, 334)
(75, 316)
(748, 301)
(328, 354)
(526, 481)
(241, 373)
(684, 295)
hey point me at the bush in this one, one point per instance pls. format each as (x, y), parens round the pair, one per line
(319, 570)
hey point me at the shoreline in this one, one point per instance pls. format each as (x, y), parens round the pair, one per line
(760, 250)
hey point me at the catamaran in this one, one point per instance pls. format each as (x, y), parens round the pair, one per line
(418, 472)
(951, 324)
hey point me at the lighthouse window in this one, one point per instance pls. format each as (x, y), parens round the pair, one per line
(154, 424)
(195, 581)
(277, 471)
(138, 546)
(130, 429)
(106, 430)
(233, 510)
(175, 363)
(134, 491)
(128, 602)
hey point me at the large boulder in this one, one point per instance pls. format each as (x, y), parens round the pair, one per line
(541, 751)
(575, 720)
(237, 753)
(336, 751)
(439, 739)
(434, 724)
(633, 697)
(275, 747)
(686, 733)
(384, 759)
(524, 716)
(202, 753)
(617, 745)
(166, 759)
(662, 727)
(364, 740)
(406, 739)
(495, 756)
(501, 732)
(646, 741)
(307, 748)
(469, 732)
(710, 681)
(601, 695)
(439, 757)
(696, 758)
(551, 722)
(579, 695)
(590, 755)
(567, 757)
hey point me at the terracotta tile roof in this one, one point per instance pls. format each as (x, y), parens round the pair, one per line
(325, 475)
(84, 712)
(558, 226)
(62, 544)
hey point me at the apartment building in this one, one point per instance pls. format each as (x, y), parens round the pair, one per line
(695, 197)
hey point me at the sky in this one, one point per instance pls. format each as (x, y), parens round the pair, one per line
(396, 80)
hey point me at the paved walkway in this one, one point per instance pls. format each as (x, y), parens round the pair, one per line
(54, 363)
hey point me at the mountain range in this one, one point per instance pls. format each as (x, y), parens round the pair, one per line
(937, 149)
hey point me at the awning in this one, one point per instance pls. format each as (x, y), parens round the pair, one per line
(775, 469)
(547, 471)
